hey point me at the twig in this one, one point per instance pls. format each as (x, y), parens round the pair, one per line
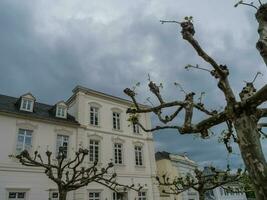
(169, 21)
(258, 73)
(197, 67)
(181, 88)
(247, 4)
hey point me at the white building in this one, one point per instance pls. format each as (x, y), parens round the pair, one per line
(229, 191)
(89, 119)
(222, 193)
(175, 165)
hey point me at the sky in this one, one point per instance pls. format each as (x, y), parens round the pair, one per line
(48, 47)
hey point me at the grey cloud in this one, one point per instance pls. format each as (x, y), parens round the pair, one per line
(49, 47)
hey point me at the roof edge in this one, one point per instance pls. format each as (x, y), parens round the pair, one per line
(83, 89)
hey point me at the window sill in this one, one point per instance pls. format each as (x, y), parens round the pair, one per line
(137, 133)
(119, 165)
(140, 166)
(25, 110)
(92, 163)
(117, 130)
(95, 126)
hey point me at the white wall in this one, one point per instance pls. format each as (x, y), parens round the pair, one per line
(15, 176)
(107, 136)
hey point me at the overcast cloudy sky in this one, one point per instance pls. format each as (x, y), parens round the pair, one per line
(48, 47)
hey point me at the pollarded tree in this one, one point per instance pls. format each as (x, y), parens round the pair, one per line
(72, 174)
(241, 115)
(201, 181)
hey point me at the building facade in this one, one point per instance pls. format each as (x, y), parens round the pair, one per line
(89, 119)
(222, 193)
(175, 165)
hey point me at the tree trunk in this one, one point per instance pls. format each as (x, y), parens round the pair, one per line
(201, 196)
(251, 151)
(62, 195)
(261, 17)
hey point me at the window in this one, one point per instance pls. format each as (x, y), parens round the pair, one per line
(61, 111)
(118, 153)
(63, 142)
(94, 115)
(16, 195)
(119, 196)
(136, 128)
(142, 195)
(26, 105)
(116, 121)
(93, 150)
(24, 141)
(138, 155)
(94, 195)
(54, 196)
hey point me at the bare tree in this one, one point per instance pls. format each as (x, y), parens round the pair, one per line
(72, 174)
(241, 115)
(202, 181)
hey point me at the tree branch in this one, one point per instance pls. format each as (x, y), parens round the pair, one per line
(262, 30)
(256, 99)
(219, 71)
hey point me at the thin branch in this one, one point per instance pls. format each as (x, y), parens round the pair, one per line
(258, 73)
(169, 21)
(219, 71)
(201, 127)
(197, 67)
(181, 88)
(248, 4)
(159, 128)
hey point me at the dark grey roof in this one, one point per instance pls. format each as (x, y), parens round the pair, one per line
(40, 111)
(162, 155)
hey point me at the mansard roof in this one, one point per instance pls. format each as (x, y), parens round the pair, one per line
(9, 105)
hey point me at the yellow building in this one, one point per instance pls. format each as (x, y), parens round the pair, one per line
(175, 165)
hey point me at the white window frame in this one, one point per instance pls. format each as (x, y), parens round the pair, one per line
(94, 115)
(19, 190)
(94, 198)
(25, 135)
(138, 155)
(51, 192)
(115, 195)
(118, 153)
(26, 104)
(136, 128)
(92, 155)
(61, 111)
(142, 195)
(116, 120)
(62, 138)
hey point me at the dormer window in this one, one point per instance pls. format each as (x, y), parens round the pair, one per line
(27, 102)
(26, 105)
(61, 110)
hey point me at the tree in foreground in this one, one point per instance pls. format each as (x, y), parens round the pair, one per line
(202, 181)
(247, 185)
(72, 174)
(241, 115)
